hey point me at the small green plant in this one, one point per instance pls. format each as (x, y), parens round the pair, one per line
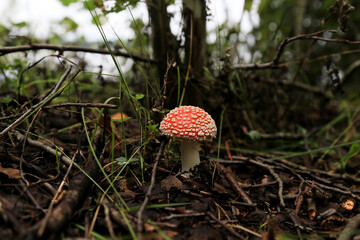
(262, 226)
(353, 151)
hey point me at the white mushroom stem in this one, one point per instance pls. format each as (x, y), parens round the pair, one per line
(189, 155)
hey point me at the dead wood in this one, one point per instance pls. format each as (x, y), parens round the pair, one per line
(350, 229)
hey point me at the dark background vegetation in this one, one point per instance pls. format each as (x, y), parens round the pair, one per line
(289, 87)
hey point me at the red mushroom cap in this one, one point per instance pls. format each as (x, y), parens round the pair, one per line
(189, 123)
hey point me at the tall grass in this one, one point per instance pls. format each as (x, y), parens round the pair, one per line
(141, 113)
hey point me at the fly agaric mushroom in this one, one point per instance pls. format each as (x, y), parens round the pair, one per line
(190, 125)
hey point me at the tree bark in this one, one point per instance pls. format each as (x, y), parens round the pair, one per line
(194, 12)
(165, 47)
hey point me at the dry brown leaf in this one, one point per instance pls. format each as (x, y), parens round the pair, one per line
(170, 233)
(118, 116)
(12, 173)
(171, 182)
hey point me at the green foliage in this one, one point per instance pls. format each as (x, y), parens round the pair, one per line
(152, 127)
(6, 100)
(248, 5)
(139, 96)
(68, 2)
(123, 160)
(120, 5)
(69, 24)
(141, 40)
(90, 4)
(98, 20)
(254, 135)
(20, 24)
(262, 226)
(353, 151)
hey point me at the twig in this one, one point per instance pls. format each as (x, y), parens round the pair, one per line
(243, 160)
(25, 189)
(108, 220)
(70, 48)
(53, 201)
(98, 105)
(290, 166)
(8, 215)
(23, 148)
(43, 146)
(234, 184)
(276, 176)
(79, 187)
(275, 62)
(295, 166)
(243, 204)
(299, 198)
(270, 169)
(258, 185)
(121, 218)
(49, 97)
(286, 41)
(159, 103)
(235, 234)
(350, 229)
(296, 223)
(148, 194)
(338, 190)
(183, 215)
(96, 213)
(237, 225)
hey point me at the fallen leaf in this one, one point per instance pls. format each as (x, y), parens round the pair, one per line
(119, 116)
(171, 182)
(12, 173)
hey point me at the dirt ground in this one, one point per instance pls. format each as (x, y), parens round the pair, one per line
(241, 195)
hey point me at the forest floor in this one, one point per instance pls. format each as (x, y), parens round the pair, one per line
(232, 194)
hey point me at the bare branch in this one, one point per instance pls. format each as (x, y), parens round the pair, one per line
(70, 48)
(98, 105)
(47, 99)
(66, 160)
(148, 194)
(275, 62)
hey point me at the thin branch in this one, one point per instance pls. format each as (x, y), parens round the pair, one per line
(62, 214)
(98, 105)
(32, 198)
(230, 230)
(55, 198)
(24, 144)
(223, 171)
(338, 190)
(286, 41)
(276, 176)
(70, 48)
(350, 229)
(43, 146)
(108, 220)
(148, 194)
(47, 99)
(275, 62)
(271, 170)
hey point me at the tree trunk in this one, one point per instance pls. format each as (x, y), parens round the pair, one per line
(165, 48)
(194, 12)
